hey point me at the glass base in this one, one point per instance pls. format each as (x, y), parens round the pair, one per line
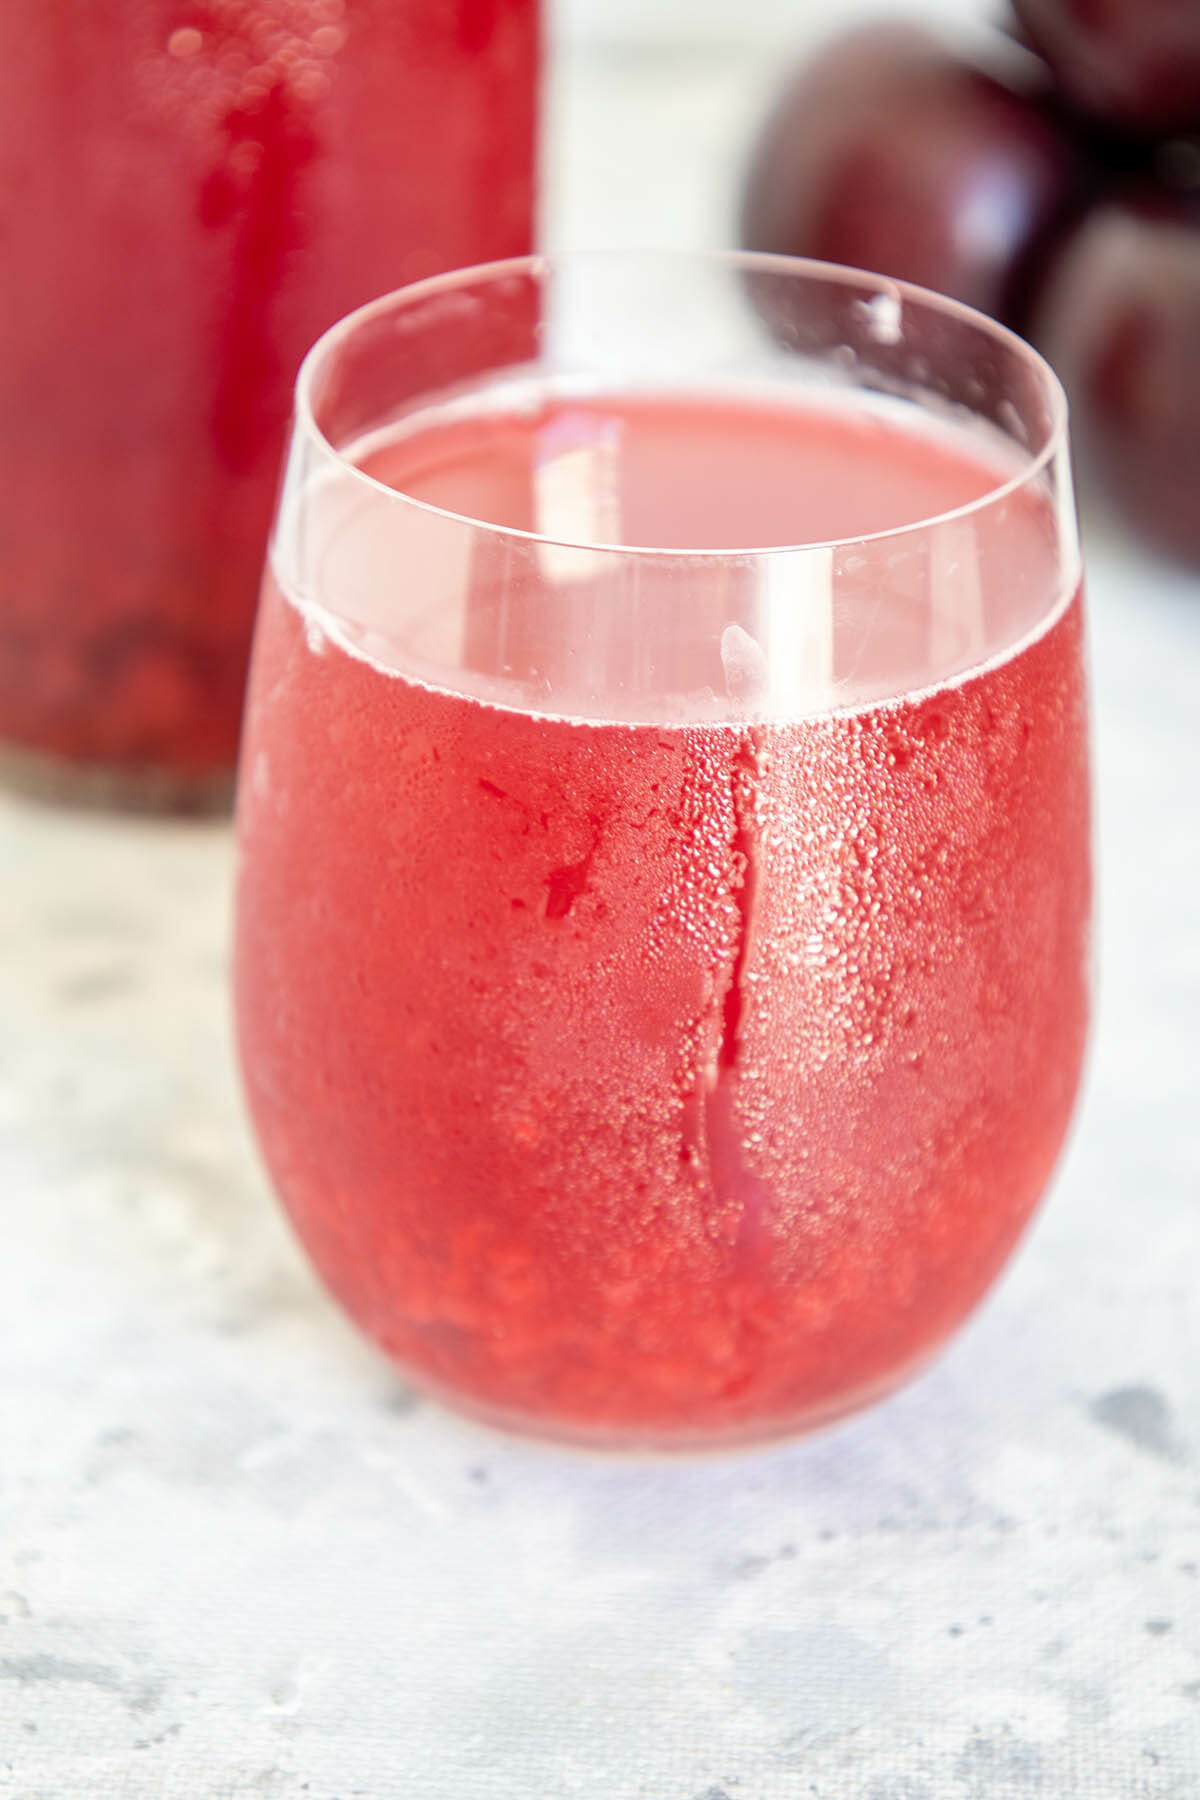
(59, 780)
(664, 1442)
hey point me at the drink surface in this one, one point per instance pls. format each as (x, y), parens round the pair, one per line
(687, 1075)
(192, 194)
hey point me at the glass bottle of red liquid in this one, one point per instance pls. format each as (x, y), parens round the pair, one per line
(661, 963)
(191, 190)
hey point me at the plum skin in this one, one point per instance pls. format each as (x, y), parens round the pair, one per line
(1132, 63)
(1119, 318)
(888, 152)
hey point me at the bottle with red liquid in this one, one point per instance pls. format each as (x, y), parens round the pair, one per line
(190, 191)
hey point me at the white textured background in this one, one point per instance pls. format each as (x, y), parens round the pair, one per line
(238, 1558)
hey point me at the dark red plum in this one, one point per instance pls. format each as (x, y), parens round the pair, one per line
(889, 152)
(1119, 317)
(1134, 63)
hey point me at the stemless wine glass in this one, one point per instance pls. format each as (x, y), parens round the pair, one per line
(661, 955)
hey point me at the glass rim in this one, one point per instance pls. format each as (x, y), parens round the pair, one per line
(1034, 462)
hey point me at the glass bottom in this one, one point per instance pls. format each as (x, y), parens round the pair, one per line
(59, 780)
(673, 1443)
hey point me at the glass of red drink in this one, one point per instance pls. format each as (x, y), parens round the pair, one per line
(662, 944)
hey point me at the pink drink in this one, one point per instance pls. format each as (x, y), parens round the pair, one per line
(679, 1075)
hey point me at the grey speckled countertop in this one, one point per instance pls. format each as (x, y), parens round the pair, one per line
(237, 1557)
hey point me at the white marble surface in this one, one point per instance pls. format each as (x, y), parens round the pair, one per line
(238, 1558)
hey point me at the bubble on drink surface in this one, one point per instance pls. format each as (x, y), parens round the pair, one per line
(187, 41)
(883, 315)
(745, 665)
(314, 634)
